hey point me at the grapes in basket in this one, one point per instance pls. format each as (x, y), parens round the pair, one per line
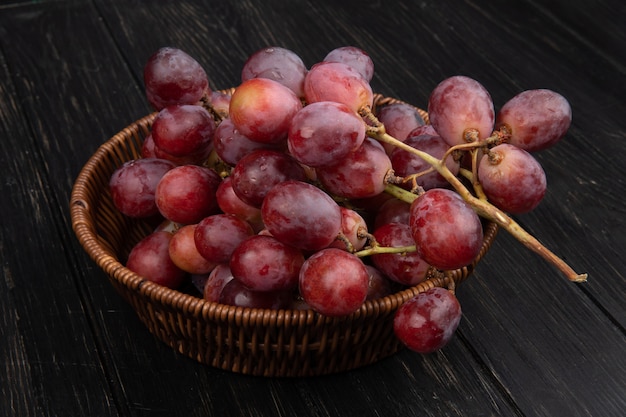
(303, 189)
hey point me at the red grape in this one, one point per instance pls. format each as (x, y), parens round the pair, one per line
(301, 215)
(399, 120)
(230, 145)
(262, 263)
(335, 81)
(181, 130)
(446, 230)
(536, 119)
(392, 211)
(236, 294)
(217, 236)
(171, 76)
(405, 163)
(257, 172)
(512, 179)
(230, 203)
(261, 109)
(379, 285)
(324, 132)
(334, 282)
(150, 150)
(354, 57)
(278, 64)
(219, 102)
(133, 186)
(459, 103)
(147, 147)
(360, 174)
(216, 281)
(186, 194)
(150, 259)
(427, 322)
(406, 268)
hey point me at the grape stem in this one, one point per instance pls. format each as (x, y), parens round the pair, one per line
(376, 249)
(480, 205)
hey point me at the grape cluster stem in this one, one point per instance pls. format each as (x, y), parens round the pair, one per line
(479, 203)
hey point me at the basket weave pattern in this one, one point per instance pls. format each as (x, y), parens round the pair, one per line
(243, 340)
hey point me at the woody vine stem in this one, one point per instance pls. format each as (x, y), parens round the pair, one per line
(478, 202)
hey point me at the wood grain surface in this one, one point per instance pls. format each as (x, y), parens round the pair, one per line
(530, 342)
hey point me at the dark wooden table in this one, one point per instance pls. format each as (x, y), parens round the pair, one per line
(530, 343)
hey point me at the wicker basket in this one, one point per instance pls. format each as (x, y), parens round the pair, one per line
(243, 340)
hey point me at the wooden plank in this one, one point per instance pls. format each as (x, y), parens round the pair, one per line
(49, 357)
(555, 351)
(606, 36)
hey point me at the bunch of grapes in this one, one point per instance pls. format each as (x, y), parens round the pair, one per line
(294, 191)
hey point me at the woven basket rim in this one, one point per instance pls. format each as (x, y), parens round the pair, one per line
(82, 219)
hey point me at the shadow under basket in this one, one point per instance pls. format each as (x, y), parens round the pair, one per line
(250, 341)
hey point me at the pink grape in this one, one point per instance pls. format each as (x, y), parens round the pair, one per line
(334, 282)
(278, 64)
(360, 174)
(186, 194)
(257, 172)
(406, 268)
(217, 236)
(446, 230)
(184, 253)
(335, 81)
(536, 119)
(181, 130)
(301, 215)
(427, 322)
(171, 76)
(150, 259)
(354, 57)
(133, 186)
(262, 109)
(324, 132)
(459, 103)
(512, 179)
(262, 263)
